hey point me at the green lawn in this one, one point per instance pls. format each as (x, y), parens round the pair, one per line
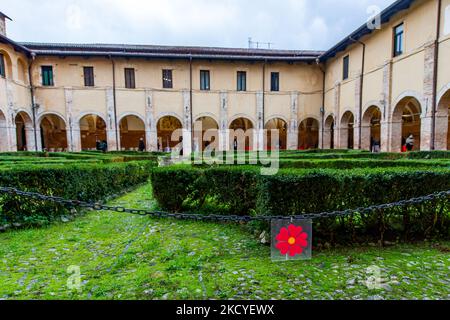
(130, 257)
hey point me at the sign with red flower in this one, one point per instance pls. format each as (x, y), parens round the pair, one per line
(291, 240)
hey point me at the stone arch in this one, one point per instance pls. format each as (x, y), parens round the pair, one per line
(206, 115)
(89, 113)
(127, 114)
(444, 91)
(169, 132)
(442, 130)
(281, 125)
(132, 131)
(242, 116)
(406, 120)
(8, 64)
(92, 130)
(53, 132)
(4, 145)
(410, 94)
(206, 131)
(24, 131)
(22, 72)
(277, 116)
(308, 134)
(328, 132)
(242, 134)
(347, 130)
(371, 127)
(169, 114)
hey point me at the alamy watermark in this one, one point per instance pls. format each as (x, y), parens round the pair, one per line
(74, 280)
(374, 20)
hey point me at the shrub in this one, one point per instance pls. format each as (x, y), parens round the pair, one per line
(85, 182)
(242, 191)
(360, 163)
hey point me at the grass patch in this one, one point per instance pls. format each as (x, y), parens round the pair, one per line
(123, 256)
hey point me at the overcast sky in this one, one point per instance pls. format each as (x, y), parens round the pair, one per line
(289, 24)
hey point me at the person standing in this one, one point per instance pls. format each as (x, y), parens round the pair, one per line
(141, 145)
(410, 143)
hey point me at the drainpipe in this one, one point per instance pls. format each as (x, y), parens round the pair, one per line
(113, 64)
(361, 90)
(435, 77)
(322, 109)
(191, 104)
(33, 104)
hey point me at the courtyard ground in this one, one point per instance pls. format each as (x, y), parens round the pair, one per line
(122, 256)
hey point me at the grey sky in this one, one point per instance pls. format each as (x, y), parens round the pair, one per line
(289, 24)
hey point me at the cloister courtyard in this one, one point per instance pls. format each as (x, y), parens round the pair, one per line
(56, 251)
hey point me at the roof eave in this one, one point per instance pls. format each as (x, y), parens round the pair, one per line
(173, 56)
(16, 45)
(364, 30)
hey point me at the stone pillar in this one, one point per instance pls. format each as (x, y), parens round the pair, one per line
(292, 136)
(111, 126)
(357, 123)
(442, 127)
(385, 141)
(337, 112)
(72, 144)
(29, 134)
(11, 134)
(76, 137)
(224, 132)
(386, 111)
(426, 135)
(258, 138)
(187, 124)
(151, 129)
(396, 133)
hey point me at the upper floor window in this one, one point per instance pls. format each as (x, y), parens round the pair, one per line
(399, 40)
(346, 63)
(2, 66)
(275, 81)
(167, 79)
(47, 76)
(447, 20)
(242, 81)
(130, 78)
(204, 80)
(89, 76)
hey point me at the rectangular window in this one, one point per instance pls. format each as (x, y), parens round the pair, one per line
(275, 81)
(447, 21)
(204, 80)
(130, 78)
(89, 77)
(167, 79)
(242, 81)
(399, 40)
(47, 76)
(346, 63)
(2, 66)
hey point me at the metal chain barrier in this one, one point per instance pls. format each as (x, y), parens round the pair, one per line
(229, 218)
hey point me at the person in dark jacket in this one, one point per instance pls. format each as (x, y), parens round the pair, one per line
(141, 145)
(98, 145)
(104, 146)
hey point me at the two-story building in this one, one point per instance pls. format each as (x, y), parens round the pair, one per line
(379, 85)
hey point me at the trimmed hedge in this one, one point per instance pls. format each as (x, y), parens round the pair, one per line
(85, 182)
(361, 163)
(243, 191)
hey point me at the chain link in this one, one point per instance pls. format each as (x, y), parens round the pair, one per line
(221, 218)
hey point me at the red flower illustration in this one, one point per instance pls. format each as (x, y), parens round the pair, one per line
(292, 240)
